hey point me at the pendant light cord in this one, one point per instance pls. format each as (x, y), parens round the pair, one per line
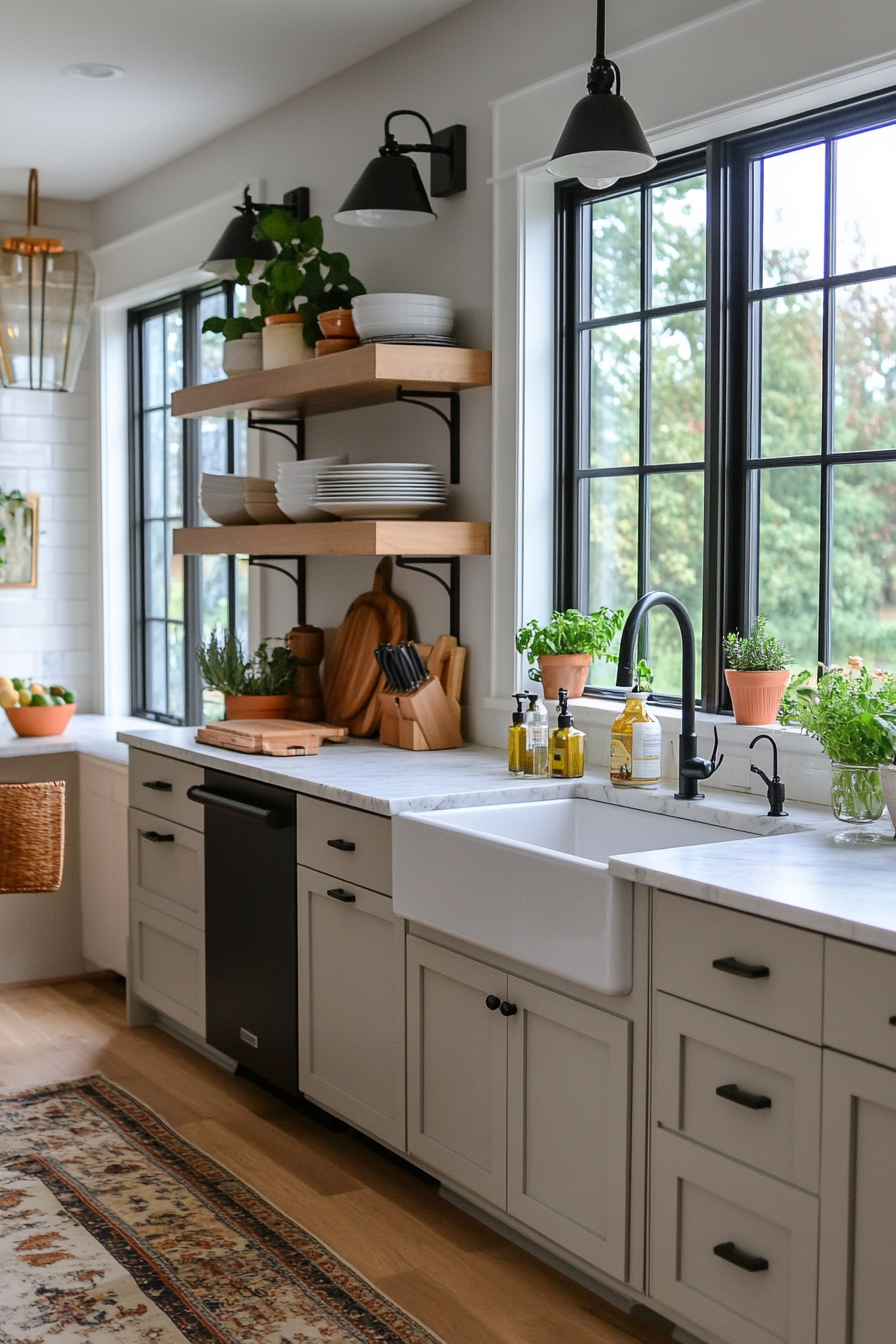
(601, 43)
(604, 72)
(32, 200)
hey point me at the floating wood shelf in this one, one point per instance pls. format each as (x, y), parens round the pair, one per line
(354, 538)
(366, 376)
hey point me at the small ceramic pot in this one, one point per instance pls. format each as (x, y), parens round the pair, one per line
(566, 670)
(256, 706)
(282, 341)
(242, 356)
(756, 696)
(334, 346)
(338, 322)
(888, 784)
(40, 720)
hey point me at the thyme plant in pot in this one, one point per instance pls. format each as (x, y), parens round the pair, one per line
(565, 648)
(756, 673)
(852, 713)
(254, 687)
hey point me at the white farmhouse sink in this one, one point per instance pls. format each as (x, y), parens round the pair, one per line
(530, 880)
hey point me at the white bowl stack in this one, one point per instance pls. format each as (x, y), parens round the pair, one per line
(380, 490)
(404, 319)
(261, 501)
(223, 498)
(297, 485)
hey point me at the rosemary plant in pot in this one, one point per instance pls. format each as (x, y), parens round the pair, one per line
(565, 647)
(756, 674)
(254, 687)
(852, 713)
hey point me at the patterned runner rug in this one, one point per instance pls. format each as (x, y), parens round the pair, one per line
(113, 1228)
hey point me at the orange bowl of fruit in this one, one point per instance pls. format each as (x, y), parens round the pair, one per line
(35, 710)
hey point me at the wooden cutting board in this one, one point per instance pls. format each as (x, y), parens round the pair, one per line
(270, 737)
(352, 677)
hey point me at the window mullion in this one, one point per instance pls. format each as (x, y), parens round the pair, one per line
(826, 546)
(714, 435)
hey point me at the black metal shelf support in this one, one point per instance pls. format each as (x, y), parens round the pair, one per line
(296, 440)
(451, 585)
(264, 562)
(452, 420)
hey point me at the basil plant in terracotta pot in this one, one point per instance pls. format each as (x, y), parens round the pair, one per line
(256, 686)
(756, 674)
(565, 648)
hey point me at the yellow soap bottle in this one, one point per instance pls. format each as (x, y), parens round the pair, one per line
(567, 746)
(636, 745)
(516, 738)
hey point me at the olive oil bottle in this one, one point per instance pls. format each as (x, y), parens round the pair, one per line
(636, 745)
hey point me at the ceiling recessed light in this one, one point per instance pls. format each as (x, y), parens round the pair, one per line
(93, 70)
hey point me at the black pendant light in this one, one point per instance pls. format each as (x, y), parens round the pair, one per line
(390, 193)
(237, 241)
(602, 139)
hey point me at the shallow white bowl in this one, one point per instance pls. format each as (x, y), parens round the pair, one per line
(429, 300)
(438, 325)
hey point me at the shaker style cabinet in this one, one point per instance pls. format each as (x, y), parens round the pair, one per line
(521, 1095)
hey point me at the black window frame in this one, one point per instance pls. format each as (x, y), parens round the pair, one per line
(731, 466)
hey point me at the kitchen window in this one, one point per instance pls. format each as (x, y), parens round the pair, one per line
(727, 408)
(177, 600)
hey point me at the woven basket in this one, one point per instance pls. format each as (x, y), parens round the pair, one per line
(32, 836)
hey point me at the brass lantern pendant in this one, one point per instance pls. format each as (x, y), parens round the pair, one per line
(46, 294)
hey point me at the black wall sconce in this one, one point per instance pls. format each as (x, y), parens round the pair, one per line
(237, 239)
(390, 192)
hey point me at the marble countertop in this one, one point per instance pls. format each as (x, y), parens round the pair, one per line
(92, 734)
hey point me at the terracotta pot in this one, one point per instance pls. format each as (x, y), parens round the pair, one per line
(566, 670)
(338, 322)
(334, 346)
(40, 720)
(256, 706)
(888, 784)
(756, 696)
(282, 341)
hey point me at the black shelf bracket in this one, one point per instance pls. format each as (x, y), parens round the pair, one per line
(452, 420)
(451, 585)
(296, 440)
(266, 562)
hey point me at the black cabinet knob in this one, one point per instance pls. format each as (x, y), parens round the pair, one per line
(157, 839)
(160, 785)
(492, 1002)
(753, 1264)
(731, 966)
(508, 1009)
(340, 894)
(345, 845)
(752, 1100)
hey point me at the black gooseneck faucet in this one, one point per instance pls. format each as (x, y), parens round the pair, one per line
(691, 767)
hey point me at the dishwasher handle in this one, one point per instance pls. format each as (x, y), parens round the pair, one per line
(269, 816)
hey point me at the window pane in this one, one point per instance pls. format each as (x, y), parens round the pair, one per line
(865, 366)
(789, 522)
(211, 347)
(174, 353)
(613, 553)
(679, 241)
(616, 255)
(154, 362)
(154, 464)
(156, 591)
(215, 608)
(676, 564)
(677, 388)
(866, 200)
(212, 451)
(156, 664)
(793, 216)
(615, 395)
(241, 614)
(174, 468)
(176, 671)
(175, 581)
(790, 422)
(863, 616)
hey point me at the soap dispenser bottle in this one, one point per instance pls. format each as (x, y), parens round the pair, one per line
(636, 745)
(537, 764)
(516, 738)
(567, 745)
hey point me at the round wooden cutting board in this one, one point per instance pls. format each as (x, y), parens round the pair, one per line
(352, 678)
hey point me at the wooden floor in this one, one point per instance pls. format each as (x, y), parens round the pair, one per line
(463, 1281)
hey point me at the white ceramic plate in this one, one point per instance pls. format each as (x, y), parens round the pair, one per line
(381, 511)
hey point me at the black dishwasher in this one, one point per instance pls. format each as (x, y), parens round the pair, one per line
(251, 959)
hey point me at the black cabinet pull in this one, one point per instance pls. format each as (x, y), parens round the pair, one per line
(753, 1264)
(731, 966)
(345, 845)
(508, 1009)
(492, 1002)
(160, 785)
(893, 1021)
(752, 1100)
(269, 816)
(156, 838)
(340, 894)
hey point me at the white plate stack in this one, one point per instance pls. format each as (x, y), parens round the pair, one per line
(380, 490)
(297, 485)
(404, 319)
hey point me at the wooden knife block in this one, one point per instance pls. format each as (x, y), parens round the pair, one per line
(427, 719)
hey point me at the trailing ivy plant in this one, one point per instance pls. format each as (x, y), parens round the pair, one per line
(225, 667)
(570, 632)
(756, 652)
(852, 713)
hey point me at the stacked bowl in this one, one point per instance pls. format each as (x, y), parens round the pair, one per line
(381, 490)
(404, 319)
(297, 486)
(223, 498)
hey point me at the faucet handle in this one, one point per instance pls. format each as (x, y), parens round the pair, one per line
(700, 768)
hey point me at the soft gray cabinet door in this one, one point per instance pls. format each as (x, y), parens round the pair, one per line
(352, 1005)
(568, 1123)
(167, 960)
(457, 1068)
(857, 1298)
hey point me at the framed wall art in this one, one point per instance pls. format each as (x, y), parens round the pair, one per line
(19, 532)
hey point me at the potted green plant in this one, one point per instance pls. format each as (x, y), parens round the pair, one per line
(565, 648)
(852, 713)
(256, 687)
(756, 673)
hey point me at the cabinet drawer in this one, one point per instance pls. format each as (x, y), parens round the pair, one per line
(702, 1204)
(167, 959)
(353, 845)
(700, 948)
(167, 867)
(158, 784)
(860, 1001)
(770, 1115)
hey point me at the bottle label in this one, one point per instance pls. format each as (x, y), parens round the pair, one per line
(620, 756)
(536, 737)
(647, 748)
